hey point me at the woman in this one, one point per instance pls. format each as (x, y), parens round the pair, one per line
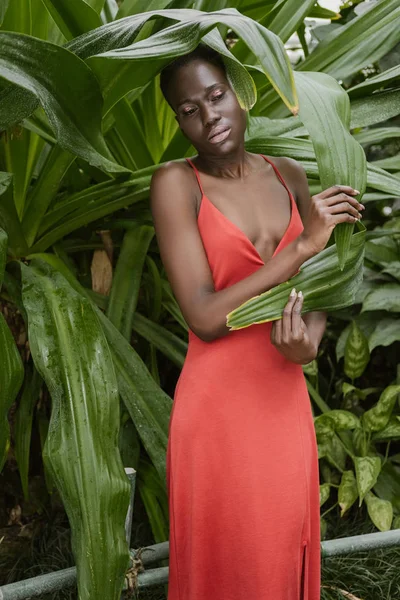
(242, 462)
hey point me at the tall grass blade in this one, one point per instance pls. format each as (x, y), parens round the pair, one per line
(81, 450)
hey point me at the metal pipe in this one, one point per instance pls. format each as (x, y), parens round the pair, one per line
(358, 543)
(51, 582)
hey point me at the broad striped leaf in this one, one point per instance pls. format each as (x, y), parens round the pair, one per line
(377, 135)
(151, 54)
(324, 285)
(67, 90)
(375, 109)
(73, 17)
(71, 354)
(360, 42)
(325, 111)
(148, 405)
(376, 82)
(127, 277)
(356, 352)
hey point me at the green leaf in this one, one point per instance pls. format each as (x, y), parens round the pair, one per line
(45, 189)
(127, 277)
(155, 500)
(367, 471)
(325, 112)
(377, 417)
(148, 405)
(3, 9)
(356, 352)
(73, 17)
(385, 333)
(376, 82)
(391, 431)
(3, 254)
(67, 90)
(21, 151)
(348, 492)
(71, 354)
(388, 484)
(123, 195)
(23, 424)
(375, 109)
(341, 419)
(11, 377)
(362, 41)
(386, 297)
(9, 220)
(152, 54)
(324, 493)
(286, 17)
(380, 511)
(324, 285)
(172, 346)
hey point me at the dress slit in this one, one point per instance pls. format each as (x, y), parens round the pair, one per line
(304, 573)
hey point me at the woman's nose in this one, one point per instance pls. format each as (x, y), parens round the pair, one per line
(209, 116)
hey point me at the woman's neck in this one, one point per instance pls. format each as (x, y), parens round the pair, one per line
(237, 165)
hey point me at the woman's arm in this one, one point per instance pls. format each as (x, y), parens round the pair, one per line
(174, 213)
(299, 341)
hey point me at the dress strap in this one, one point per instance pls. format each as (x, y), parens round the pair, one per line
(278, 174)
(197, 175)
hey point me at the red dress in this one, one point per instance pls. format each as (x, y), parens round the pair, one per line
(242, 460)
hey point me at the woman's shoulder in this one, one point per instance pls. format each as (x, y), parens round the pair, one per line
(172, 178)
(287, 164)
(172, 170)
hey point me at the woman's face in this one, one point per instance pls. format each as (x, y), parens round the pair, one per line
(207, 109)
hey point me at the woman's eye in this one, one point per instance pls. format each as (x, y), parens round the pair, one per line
(189, 112)
(220, 95)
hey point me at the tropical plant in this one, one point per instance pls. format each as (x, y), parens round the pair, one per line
(84, 127)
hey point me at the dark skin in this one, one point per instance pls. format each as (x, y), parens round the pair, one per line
(245, 188)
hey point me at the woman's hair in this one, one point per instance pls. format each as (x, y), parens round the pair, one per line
(201, 52)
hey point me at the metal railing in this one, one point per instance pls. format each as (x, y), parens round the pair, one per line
(137, 577)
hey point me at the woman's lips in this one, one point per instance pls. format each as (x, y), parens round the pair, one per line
(220, 137)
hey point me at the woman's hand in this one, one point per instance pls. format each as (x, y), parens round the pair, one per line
(332, 206)
(291, 336)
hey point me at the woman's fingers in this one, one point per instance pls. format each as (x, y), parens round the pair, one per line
(276, 336)
(336, 189)
(345, 207)
(297, 329)
(343, 198)
(287, 317)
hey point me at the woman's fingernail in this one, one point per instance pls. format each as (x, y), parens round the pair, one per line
(293, 292)
(357, 192)
(300, 294)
